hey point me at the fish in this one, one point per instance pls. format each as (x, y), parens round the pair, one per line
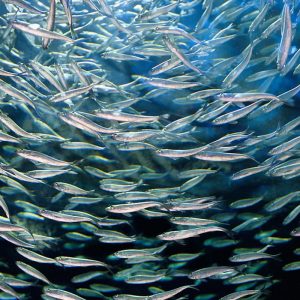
(246, 97)
(61, 294)
(34, 29)
(84, 277)
(128, 208)
(171, 84)
(280, 202)
(259, 18)
(293, 266)
(35, 256)
(66, 95)
(221, 156)
(210, 271)
(189, 221)
(172, 47)
(42, 158)
(286, 38)
(149, 150)
(4, 207)
(8, 290)
(292, 215)
(235, 115)
(249, 172)
(245, 257)
(128, 253)
(239, 204)
(47, 75)
(238, 295)
(230, 78)
(284, 147)
(158, 296)
(8, 227)
(170, 293)
(125, 117)
(24, 5)
(13, 92)
(144, 279)
(146, 16)
(70, 189)
(187, 233)
(50, 22)
(176, 31)
(78, 262)
(246, 278)
(63, 217)
(9, 123)
(32, 271)
(8, 138)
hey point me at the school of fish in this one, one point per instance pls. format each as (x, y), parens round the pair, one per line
(149, 149)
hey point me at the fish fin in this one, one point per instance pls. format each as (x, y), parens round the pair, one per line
(290, 102)
(275, 257)
(73, 33)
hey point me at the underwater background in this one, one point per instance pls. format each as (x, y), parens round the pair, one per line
(149, 149)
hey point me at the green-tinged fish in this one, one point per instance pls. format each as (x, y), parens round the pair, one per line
(244, 203)
(293, 266)
(85, 277)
